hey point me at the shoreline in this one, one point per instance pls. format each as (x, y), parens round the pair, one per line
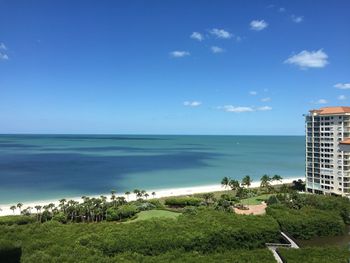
(167, 192)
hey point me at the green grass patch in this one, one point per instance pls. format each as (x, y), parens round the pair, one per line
(146, 215)
(256, 200)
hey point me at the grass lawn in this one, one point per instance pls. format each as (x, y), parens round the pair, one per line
(144, 215)
(255, 200)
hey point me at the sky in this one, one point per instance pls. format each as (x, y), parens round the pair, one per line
(171, 67)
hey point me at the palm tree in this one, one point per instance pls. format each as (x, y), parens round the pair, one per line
(19, 205)
(225, 182)
(13, 208)
(143, 192)
(146, 195)
(38, 210)
(62, 204)
(153, 194)
(277, 177)
(246, 181)
(137, 192)
(29, 209)
(234, 184)
(113, 197)
(265, 181)
(127, 193)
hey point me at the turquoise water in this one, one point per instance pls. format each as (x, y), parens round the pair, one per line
(35, 167)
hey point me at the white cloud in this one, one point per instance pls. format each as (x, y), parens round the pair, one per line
(342, 85)
(220, 33)
(342, 97)
(266, 99)
(192, 103)
(179, 53)
(197, 36)
(258, 25)
(309, 59)
(321, 101)
(216, 49)
(3, 56)
(297, 19)
(282, 9)
(253, 93)
(239, 109)
(264, 108)
(2, 46)
(230, 108)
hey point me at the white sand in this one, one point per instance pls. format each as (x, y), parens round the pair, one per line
(5, 208)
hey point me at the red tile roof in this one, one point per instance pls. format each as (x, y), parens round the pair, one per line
(332, 110)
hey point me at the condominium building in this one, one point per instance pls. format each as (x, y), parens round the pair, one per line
(328, 151)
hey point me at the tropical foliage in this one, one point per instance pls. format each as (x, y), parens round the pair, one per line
(307, 222)
(315, 255)
(206, 231)
(183, 201)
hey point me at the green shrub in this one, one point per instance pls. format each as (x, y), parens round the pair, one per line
(183, 201)
(232, 256)
(10, 252)
(307, 222)
(16, 220)
(60, 217)
(328, 203)
(272, 200)
(156, 203)
(315, 255)
(208, 230)
(121, 212)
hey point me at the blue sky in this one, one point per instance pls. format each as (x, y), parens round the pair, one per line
(171, 67)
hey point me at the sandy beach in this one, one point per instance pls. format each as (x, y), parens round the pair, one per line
(5, 208)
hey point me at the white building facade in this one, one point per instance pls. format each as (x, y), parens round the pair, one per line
(328, 151)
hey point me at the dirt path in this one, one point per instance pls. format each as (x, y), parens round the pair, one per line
(253, 209)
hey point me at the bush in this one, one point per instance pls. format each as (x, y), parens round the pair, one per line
(315, 255)
(307, 222)
(207, 231)
(122, 212)
(232, 256)
(10, 252)
(60, 217)
(272, 200)
(339, 204)
(16, 220)
(144, 206)
(183, 201)
(156, 203)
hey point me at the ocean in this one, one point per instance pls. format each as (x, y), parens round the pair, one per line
(40, 167)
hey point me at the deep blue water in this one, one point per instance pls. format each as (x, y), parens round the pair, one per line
(36, 167)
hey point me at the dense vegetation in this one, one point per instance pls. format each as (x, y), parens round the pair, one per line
(232, 256)
(10, 252)
(16, 220)
(340, 205)
(315, 255)
(206, 231)
(183, 201)
(307, 222)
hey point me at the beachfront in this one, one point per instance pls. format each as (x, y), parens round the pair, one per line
(5, 208)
